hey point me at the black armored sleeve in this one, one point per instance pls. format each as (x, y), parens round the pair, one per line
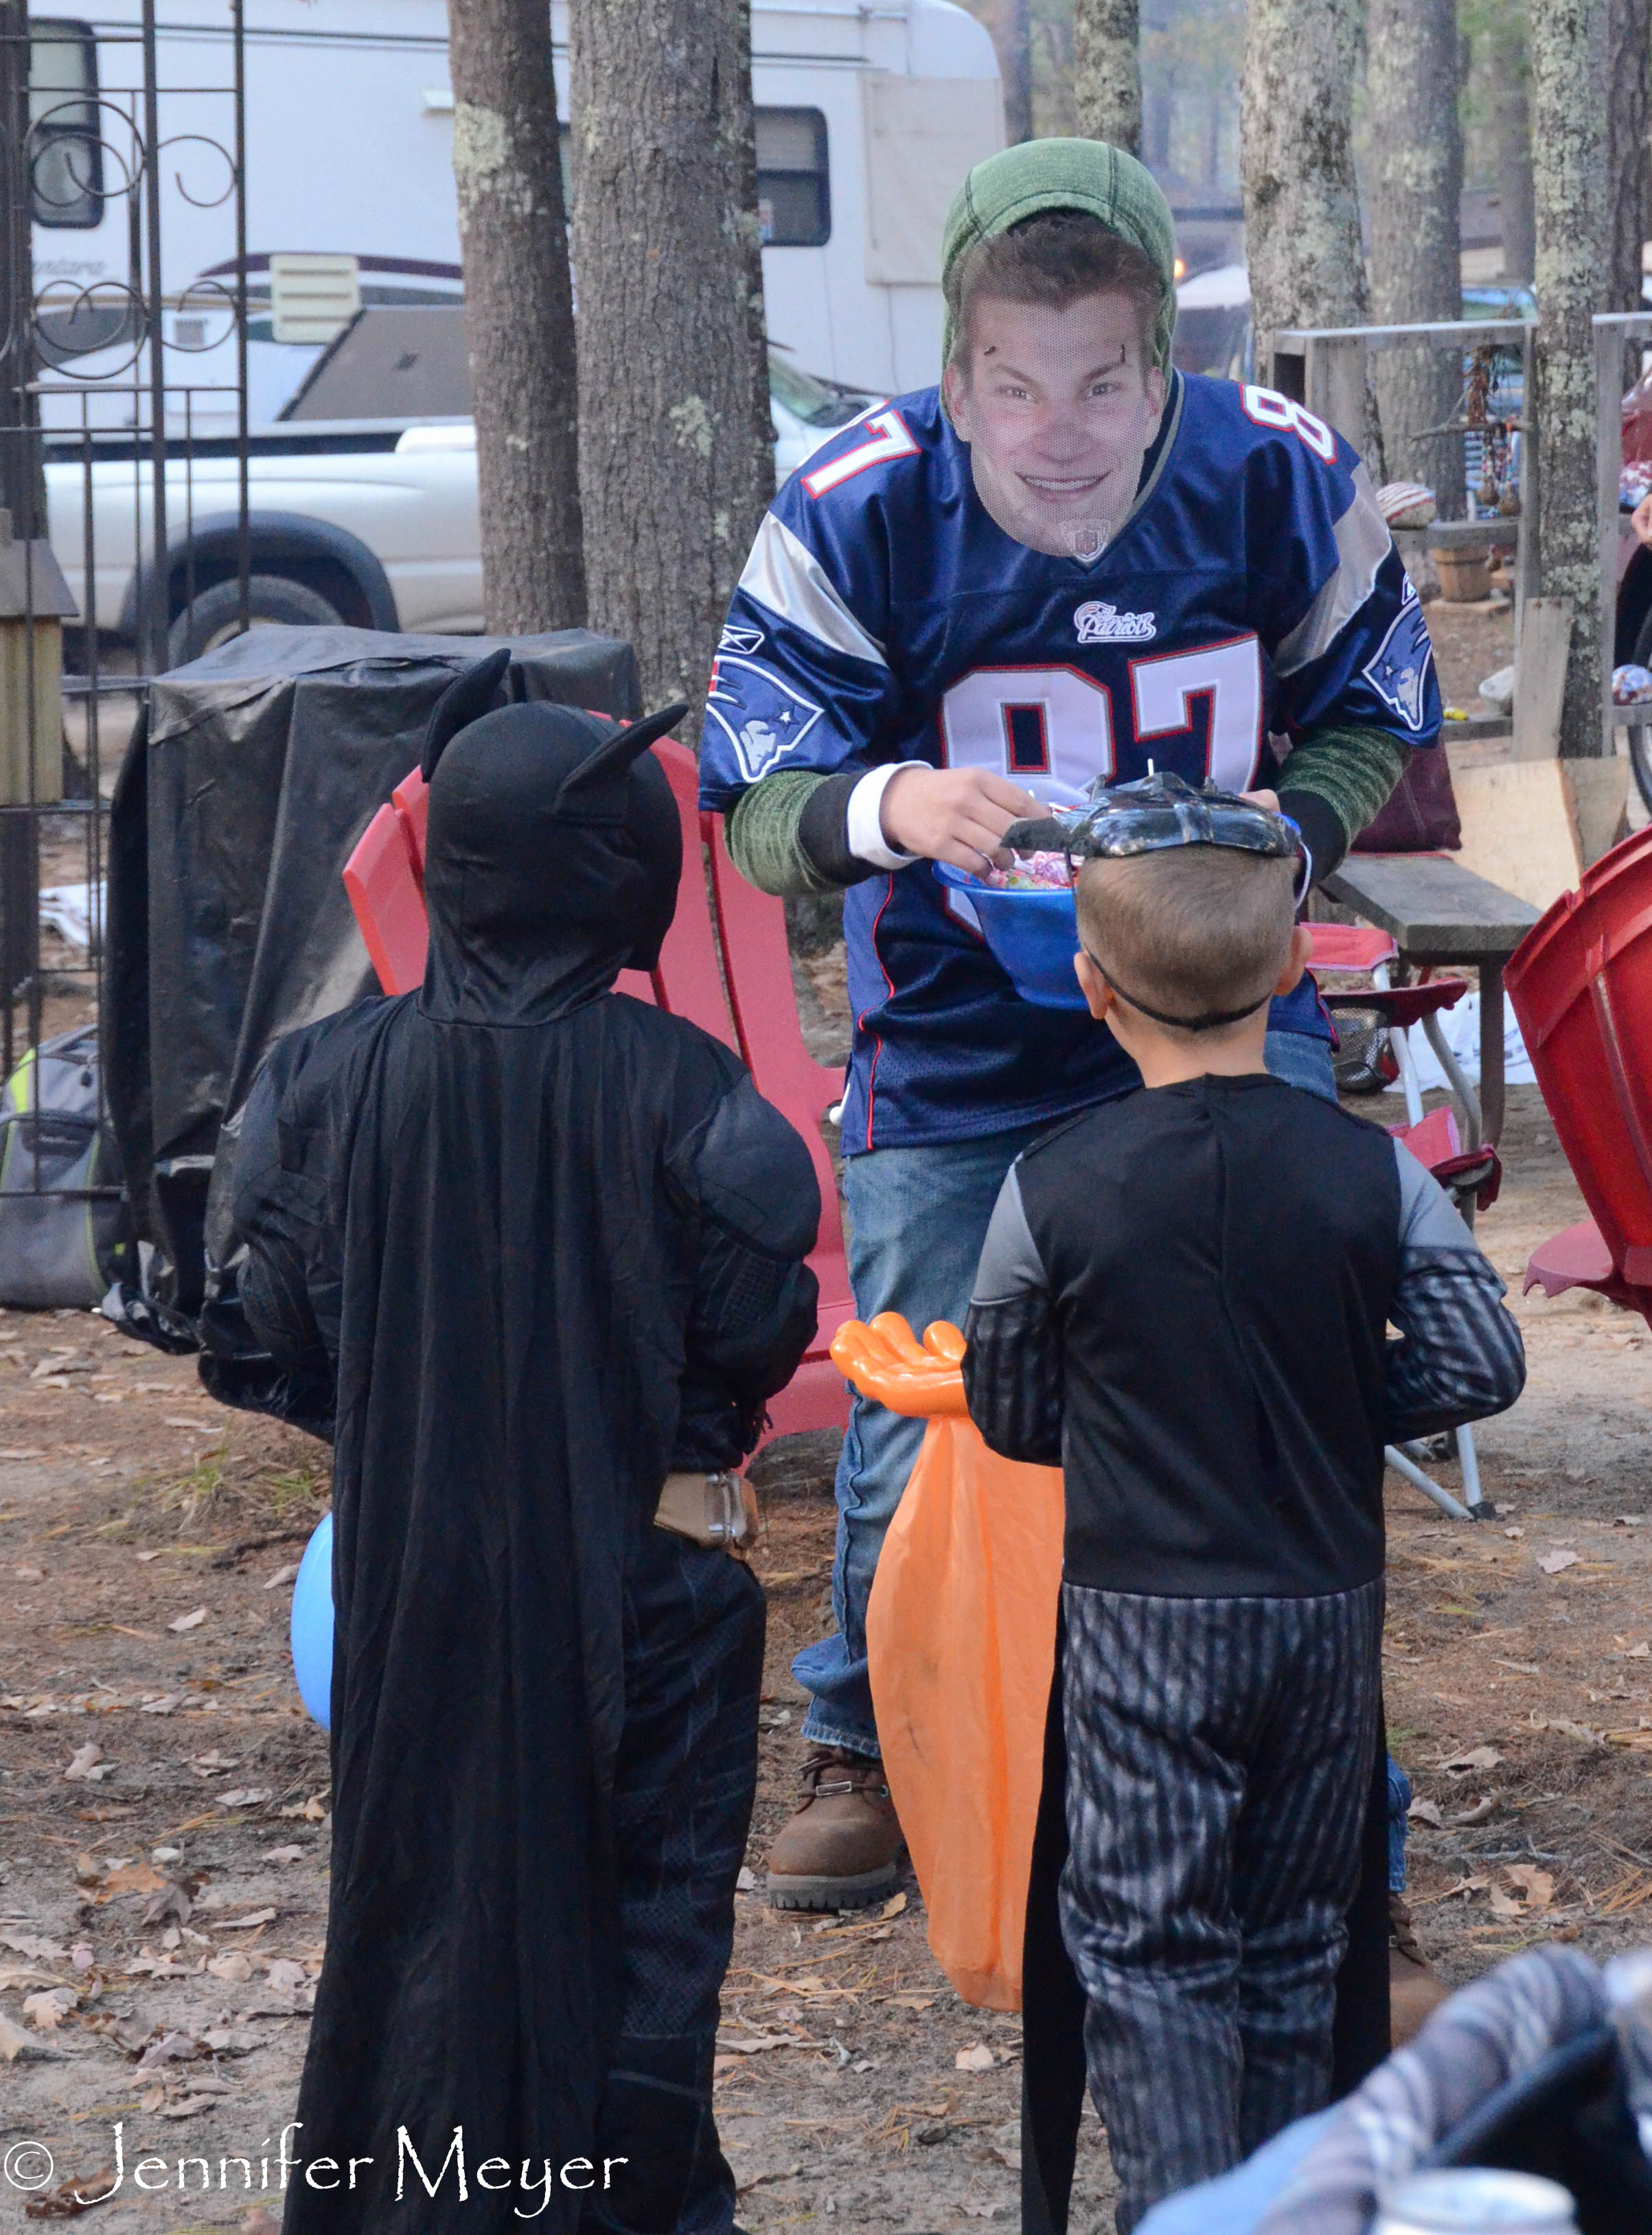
(1459, 1357)
(1013, 1375)
(746, 1178)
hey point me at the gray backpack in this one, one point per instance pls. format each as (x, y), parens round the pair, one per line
(65, 1233)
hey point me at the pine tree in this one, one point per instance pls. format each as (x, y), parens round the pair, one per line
(677, 444)
(519, 313)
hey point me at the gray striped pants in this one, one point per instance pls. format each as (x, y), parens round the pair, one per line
(1219, 1757)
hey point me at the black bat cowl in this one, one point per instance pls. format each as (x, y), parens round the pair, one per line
(550, 1240)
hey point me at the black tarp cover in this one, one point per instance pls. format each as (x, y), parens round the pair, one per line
(253, 774)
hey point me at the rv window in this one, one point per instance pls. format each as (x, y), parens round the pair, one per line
(794, 179)
(66, 163)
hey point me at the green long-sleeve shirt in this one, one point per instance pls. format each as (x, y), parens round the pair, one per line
(1333, 784)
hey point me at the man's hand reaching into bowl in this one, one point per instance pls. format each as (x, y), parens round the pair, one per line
(953, 815)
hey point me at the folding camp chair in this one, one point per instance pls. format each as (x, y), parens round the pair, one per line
(1470, 1175)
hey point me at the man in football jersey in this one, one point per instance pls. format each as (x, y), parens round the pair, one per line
(1068, 561)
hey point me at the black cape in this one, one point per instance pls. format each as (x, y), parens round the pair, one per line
(551, 1239)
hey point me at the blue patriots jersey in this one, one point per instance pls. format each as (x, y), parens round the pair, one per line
(1253, 594)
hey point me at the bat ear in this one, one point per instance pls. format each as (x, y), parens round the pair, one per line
(469, 696)
(617, 753)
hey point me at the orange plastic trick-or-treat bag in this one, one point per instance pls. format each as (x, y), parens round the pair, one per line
(961, 1634)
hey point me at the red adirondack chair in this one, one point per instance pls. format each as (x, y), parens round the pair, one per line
(747, 1001)
(1581, 983)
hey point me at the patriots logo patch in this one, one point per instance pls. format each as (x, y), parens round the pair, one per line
(735, 639)
(762, 717)
(1399, 673)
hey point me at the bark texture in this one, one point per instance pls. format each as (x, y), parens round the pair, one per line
(1107, 71)
(1416, 182)
(20, 483)
(1629, 37)
(1015, 69)
(1297, 176)
(1568, 47)
(676, 455)
(1512, 125)
(519, 313)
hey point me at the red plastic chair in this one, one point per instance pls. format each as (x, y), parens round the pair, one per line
(1581, 984)
(387, 895)
(764, 1002)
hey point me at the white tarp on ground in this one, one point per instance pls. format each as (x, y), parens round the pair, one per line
(1461, 1026)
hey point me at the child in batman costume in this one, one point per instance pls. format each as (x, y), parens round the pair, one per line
(550, 1241)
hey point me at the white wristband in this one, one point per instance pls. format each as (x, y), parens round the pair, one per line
(865, 824)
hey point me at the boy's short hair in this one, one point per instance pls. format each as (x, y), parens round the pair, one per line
(1196, 931)
(1052, 259)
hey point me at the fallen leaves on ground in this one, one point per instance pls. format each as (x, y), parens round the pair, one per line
(189, 1621)
(172, 2048)
(172, 1905)
(31, 1945)
(12, 2044)
(1567, 1729)
(1480, 1757)
(73, 2197)
(47, 2011)
(88, 1766)
(976, 2058)
(1537, 1885)
(1552, 1563)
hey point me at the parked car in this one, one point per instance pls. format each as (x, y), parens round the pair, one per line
(372, 522)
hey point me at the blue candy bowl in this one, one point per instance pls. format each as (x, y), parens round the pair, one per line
(1033, 935)
(312, 1626)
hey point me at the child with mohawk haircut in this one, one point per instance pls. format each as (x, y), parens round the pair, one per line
(1183, 1300)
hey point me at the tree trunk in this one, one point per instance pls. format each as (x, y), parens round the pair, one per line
(677, 447)
(1513, 130)
(21, 485)
(1107, 71)
(1416, 252)
(1296, 178)
(1015, 69)
(1628, 34)
(1568, 47)
(519, 313)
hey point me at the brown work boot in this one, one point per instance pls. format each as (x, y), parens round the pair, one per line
(1415, 1988)
(840, 1849)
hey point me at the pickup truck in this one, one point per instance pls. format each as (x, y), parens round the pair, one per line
(371, 522)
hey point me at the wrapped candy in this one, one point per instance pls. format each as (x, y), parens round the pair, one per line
(1032, 873)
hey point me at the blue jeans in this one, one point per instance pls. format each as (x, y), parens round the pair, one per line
(917, 1218)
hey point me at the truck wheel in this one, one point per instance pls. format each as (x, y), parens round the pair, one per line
(272, 602)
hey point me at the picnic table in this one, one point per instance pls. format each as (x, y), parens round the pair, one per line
(1436, 911)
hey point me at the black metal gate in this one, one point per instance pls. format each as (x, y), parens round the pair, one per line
(111, 389)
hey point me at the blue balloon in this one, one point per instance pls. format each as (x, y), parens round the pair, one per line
(312, 1626)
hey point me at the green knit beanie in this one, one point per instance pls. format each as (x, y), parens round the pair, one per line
(1080, 174)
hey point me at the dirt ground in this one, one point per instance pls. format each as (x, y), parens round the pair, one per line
(163, 1798)
(165, 1892)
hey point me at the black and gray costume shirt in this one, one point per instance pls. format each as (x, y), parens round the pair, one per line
(1184, 1299)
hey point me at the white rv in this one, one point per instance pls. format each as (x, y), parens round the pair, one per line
(868, 115)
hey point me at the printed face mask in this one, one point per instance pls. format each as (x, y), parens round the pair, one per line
(1058, 413)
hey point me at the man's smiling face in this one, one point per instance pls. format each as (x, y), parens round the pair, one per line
(1058, 408)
